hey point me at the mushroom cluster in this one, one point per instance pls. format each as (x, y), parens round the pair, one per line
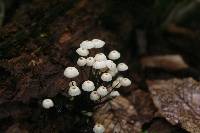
(105, 76)
(103, 67)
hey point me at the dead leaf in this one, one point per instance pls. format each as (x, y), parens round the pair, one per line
(144, 105)
(169, 62)
(118, 116)
(178, 101)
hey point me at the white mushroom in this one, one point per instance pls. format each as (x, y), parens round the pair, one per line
(114, 55)
(98, 43)
(106, 77)
(74, 91)
(87, 44)
(82, 51)
(94, 96)
(122, 67)
(71, 72)
(81, 61)
(102, 91)
(90, 61)
(100, 57)
(47, 103)
(125, 82)
(88, 86)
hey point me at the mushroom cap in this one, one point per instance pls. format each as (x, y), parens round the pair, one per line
(82, 51)
(114, 55)
(81, 61)
(122, 67)
(100, 57)
(98, 128)
(125, 82)
(98, 43)
(111, 65)
(47, 103)
(102, 91)
(114, 94)
(71, 72)
(94, 96)
(106, 77)
(88, 86)
(87, 44)
(99, 65)
(74, 91)
(90, 61)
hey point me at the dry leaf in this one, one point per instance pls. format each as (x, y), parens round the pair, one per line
(178, 100)
(144, 105)
(118, 116)
(169, 62)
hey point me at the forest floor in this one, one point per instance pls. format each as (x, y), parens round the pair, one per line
(159, 43)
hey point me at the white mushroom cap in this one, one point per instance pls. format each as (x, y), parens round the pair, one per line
(125, 82)
(82, 52)
(74, 91)
(114, 55)
(71, 72)
(81, 61)
(87, 44)
(114, 94)
(98, 43)
(90, 61)
(110, 64)
(106, 77)
(98, 128)
(116, 84)
(113, 72)
(122, 67)
(102, 91)
(72, 83)
(100, 57)
(47, 103)
(94, 96)
(88, 86)
(99, 65)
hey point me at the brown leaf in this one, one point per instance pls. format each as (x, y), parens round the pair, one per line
(118, 116)
(169, 62)
(144, 105)
(178, 101)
